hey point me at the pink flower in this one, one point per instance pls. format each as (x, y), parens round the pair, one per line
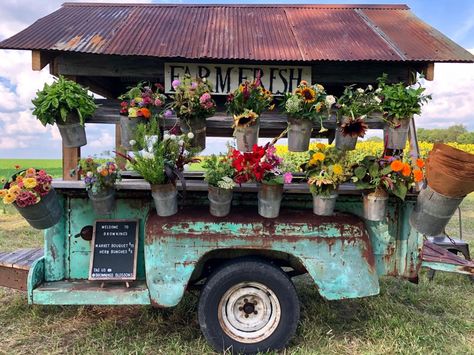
(158, 102)
(204, 98)
(287, 178)
(175, 83)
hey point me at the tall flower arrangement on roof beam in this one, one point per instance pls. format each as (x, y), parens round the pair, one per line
(246, 104)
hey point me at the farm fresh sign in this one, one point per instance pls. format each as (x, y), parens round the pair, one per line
(224, 78)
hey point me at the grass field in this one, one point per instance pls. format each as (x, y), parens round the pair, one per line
(52, 166)
(430, 318)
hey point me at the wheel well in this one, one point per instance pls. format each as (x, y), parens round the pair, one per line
(215, 258)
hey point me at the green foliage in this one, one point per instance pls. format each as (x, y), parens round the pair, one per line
(249, 96)
(455, 133)
(55, 102)
(401, 102)
(217, 168)
(357, 103)
(307, 102)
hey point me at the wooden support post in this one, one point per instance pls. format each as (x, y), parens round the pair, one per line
(429, 71)
(40, 59)
(121, 162)
(71, 157)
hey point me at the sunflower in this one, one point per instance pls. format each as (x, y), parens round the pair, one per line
(354, 127)
(246, 119)
(337, 169)
(308, 94)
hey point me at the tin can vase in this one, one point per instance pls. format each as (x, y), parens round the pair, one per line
(128, 127)
(247, 137)
(220, 201)
(324, 205)
(396, 137)
(269, 200)
(44, 214)
(198, 128)
(165, 197)
(345, 142)
(72, 134)
(375, 206)
(433, 211)
(103, 202)
(299, 134)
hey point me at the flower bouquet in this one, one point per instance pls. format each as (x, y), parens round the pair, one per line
(67, 104)
(305, 105)
(31, 193)
(399, 104)
(139, 104)
(219, 174)
(161, 162)
(381, 176)
(353, 107)
(100, 179)
(193, 104)
(325, 170)
(246, 104)
(263, 166)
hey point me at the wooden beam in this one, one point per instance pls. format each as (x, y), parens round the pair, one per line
(40, 59)
(429, 71)
(71, 157)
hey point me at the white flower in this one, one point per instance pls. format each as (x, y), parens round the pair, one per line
(293, 104)
(360, 91)
(330, 100)
(99, 169)
(89, 174)
(226, 183)
(147, 155)
(173, 137)
(377, 99)
(185, 166)
(378, 90)
(190, 135)
(363, 117)
(181, 143)
(133, 142)
(370, 87)
(166, 136)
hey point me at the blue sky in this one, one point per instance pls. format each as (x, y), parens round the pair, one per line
(23, 137)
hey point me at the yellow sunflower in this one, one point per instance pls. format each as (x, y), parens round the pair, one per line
(9, 198)
(337, 169)
(308, 94)
(321, 146)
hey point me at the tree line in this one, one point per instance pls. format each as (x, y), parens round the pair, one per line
(457, 133)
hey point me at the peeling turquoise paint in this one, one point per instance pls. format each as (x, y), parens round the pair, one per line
(446, 267)
(35, 277)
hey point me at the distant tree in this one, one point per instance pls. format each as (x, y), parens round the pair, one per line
(466, 138)
(446, 135)
(374, 139)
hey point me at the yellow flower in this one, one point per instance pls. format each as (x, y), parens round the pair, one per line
(138, 99)
(338, 170)
(133, 112)
(3, 193)
(14, 189)
(30, 183)
(320, 87)
(9, 198)
(321, 146)
(318, 106)
(318, 156)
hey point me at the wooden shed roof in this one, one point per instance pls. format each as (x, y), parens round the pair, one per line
(241, 32)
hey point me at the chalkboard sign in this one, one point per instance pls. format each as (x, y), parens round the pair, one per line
(114, 250)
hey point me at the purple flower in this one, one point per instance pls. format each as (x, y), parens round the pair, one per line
(168, 113)
(287, 178)
(194, 85)
(175, 83)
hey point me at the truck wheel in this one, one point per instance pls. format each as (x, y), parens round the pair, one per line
(248, 306)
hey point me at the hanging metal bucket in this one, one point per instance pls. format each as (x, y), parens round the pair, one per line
(345, 142)
(73, 134)
(198, 128)
(433, 211)
(269, 200)
(166, 199)
(324, 205)
(128, 127)
(396, 137)
(103, 202)
(375, 207)
(220, 201)
(299, 134)
(45, 213)
(247, 137)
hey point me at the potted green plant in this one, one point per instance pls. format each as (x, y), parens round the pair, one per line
(193, 103)
(263, 166)
(31, 193)
(100, 179)
(246, 104)
(353, 107)
(219, 174)
(325, 170)
(67, 104)
(305, 105)
(139, 104)
(399, 103)
(161, 162)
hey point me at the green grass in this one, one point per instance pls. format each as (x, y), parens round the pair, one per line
(52, 166)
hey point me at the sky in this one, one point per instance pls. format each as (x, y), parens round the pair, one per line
(22, 136)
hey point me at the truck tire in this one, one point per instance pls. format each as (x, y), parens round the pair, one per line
(248, 306)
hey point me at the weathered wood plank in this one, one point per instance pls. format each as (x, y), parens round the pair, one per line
(71, 157)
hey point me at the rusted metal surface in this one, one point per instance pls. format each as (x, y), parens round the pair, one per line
(435, 253)
(258, 32)
(14, 267)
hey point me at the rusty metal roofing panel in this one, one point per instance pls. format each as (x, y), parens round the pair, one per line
(245, 32)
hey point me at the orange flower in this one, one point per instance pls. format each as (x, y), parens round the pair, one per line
(17, 167)
(397, 165)
(418, 175)
(406, 171)
(104, 172)
(145, 112)
(420, 163)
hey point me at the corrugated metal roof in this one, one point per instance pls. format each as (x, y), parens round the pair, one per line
(244, 32)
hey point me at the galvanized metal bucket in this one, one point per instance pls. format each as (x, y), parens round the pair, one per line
(324, 205)
(299, 134)
(247, 137)
(220, 201)
(73, 134)
(433, 211)
(166, 199)
(269, 200)
(375, 207)
(103, 202)
(128, 127)
(45, 213)
(345, 142)
(396, 137)
(198, 128)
